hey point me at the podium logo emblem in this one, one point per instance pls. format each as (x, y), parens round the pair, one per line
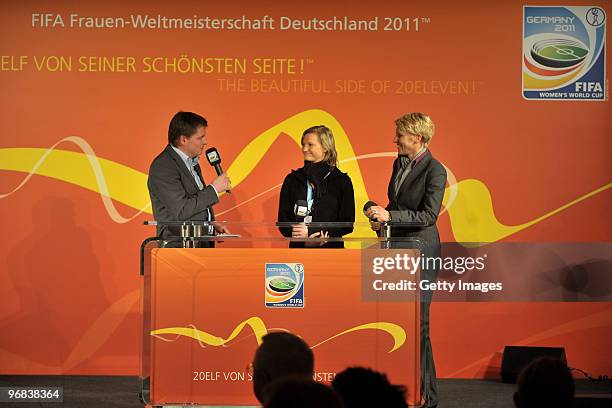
(564, 53)
(284, 285)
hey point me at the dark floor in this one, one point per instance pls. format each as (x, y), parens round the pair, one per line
(97, 392)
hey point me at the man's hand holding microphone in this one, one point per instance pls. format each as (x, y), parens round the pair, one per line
(222, 183)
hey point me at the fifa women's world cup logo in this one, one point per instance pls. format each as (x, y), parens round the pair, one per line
(284, 285)
(563, 53)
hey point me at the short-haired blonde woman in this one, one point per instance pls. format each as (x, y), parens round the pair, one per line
(327, 191)
(415, 195)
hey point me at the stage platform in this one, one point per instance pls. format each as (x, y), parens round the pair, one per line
(122, 392)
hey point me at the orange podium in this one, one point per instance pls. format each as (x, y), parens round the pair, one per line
(206, 309)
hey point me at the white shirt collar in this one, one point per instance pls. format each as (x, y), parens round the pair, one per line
(189, 162)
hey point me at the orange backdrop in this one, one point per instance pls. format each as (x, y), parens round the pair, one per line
(71, 213)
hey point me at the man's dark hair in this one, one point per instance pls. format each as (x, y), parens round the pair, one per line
(184, 124)
(280, 354)
(545, 382)
(363, 387)
(297, 392)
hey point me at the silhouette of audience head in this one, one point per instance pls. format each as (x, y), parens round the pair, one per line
(545, 382)
(280, 354)
(363, 387)
(301, 392)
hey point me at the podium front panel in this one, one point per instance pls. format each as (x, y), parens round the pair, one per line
(209, 309)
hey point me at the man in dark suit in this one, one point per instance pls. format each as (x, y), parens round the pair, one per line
(415, 195)
(176, 185)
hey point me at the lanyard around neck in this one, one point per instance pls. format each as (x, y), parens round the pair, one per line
(310, 192)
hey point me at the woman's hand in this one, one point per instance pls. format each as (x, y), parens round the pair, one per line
(299, 231)
(319, 234)
(378, 213)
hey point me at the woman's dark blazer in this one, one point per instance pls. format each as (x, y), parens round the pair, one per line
(418, 200)
(337, 205)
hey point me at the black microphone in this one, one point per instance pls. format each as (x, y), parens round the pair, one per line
(300, 209)
(214, 159)
(367, 206)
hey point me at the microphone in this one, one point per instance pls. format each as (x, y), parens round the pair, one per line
(214, 159)
(385, 230)
(300, 209)
(367, 206)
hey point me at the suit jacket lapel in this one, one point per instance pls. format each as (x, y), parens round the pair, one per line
(391, 188)
(181, 165)
(414, 173)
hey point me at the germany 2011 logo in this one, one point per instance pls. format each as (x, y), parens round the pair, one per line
(564, 53)
(284, 285)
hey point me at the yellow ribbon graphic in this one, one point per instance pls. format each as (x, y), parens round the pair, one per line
(473, 218)
(259, 330)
